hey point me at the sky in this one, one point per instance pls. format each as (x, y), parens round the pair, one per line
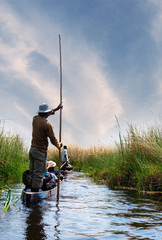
(111, 66)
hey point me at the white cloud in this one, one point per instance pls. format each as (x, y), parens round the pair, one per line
(89, 101)
(92, 103)
(156, 32)
(22, 111)
(16, 54)
(156, 29)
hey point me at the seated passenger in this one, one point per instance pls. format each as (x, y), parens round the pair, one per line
(51, 167)
(49, 180)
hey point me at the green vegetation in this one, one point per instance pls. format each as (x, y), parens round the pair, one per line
(8, 200)
(135, 162)
(13, 158)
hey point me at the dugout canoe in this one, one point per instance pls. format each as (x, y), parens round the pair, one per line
(29, 197)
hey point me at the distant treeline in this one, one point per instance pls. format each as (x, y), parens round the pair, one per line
(135, 162)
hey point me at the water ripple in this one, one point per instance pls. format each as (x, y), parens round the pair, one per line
(85, 211)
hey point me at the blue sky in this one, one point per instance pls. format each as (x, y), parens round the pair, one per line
(112, 56)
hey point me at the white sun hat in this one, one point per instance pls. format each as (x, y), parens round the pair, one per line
(51, 164)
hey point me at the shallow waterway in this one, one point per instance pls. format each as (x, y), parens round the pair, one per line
(85, 211)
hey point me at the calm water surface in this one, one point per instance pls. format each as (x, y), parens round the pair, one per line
(85, 211)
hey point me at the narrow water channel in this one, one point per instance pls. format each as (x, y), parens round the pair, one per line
(85, 211)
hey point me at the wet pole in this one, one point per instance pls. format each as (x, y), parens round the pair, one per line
(59, 162)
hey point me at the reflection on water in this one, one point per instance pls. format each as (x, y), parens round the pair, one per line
(85, 211)
(56, 226)
(34, 223)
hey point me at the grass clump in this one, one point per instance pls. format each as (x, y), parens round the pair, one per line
(135, 162)
(13, 158)
(142, 158)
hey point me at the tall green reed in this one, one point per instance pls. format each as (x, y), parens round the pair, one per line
(13, 158)
(136, 161)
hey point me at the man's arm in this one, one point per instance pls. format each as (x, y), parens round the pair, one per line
(52, 112)
(52, 137)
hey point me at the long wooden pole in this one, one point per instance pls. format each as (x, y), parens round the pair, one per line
(59, 162)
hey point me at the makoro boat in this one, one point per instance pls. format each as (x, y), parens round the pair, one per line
(29, 197)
